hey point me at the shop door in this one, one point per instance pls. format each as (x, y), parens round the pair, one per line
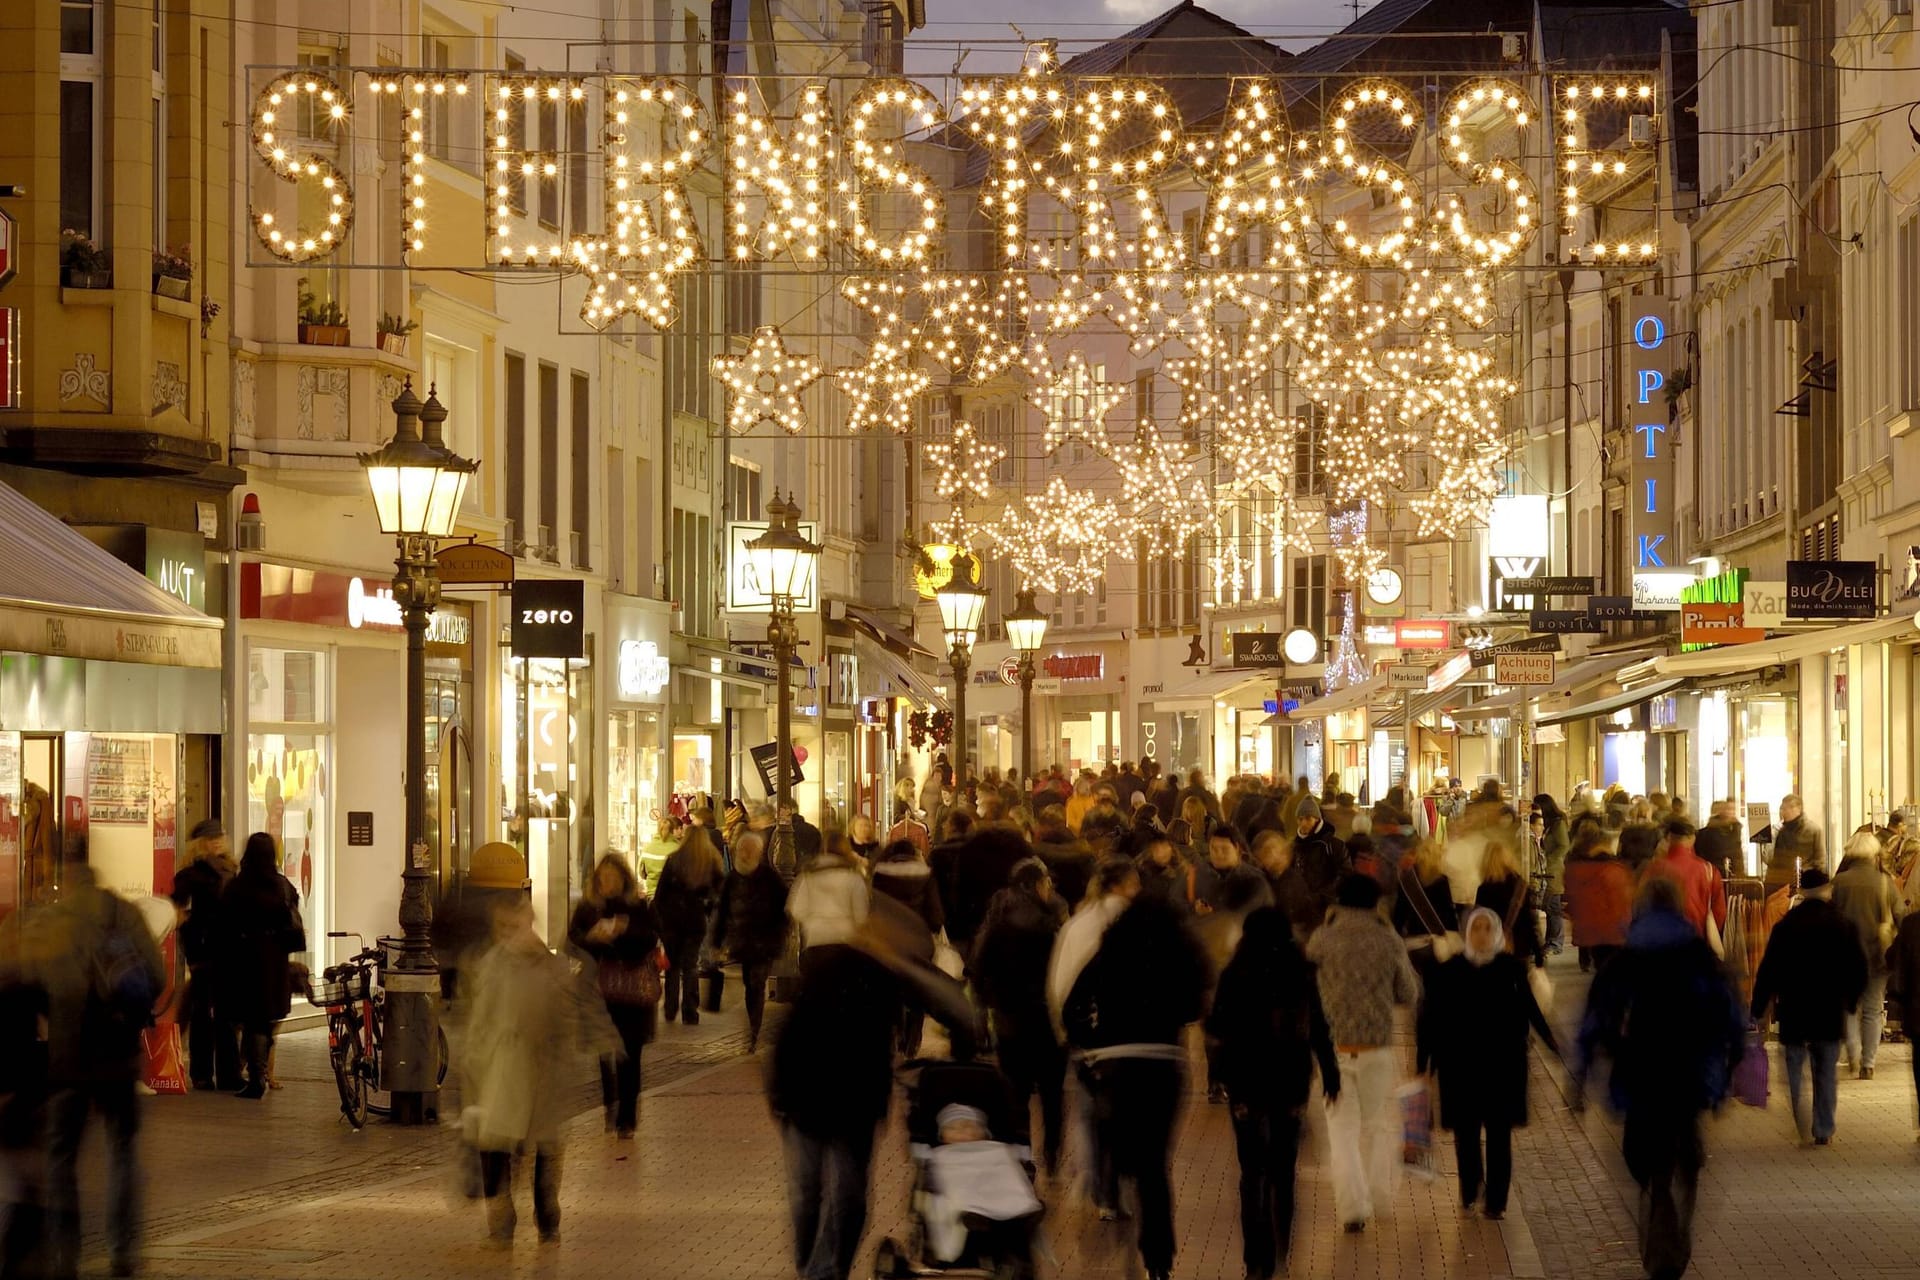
(42, 774)
(449, 773)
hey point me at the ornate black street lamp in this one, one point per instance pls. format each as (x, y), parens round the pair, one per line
(962, 606)
(1026, 632)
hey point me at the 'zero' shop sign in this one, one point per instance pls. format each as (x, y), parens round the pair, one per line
(549, 618)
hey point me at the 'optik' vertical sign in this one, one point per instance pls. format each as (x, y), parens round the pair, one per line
(1651, 499)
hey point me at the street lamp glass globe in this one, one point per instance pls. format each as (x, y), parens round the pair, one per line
(1300, 646)
(416, 481)
(962, 605)
(782, 558)
(1026, 624)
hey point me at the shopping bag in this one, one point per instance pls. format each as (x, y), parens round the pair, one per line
(1416, 1128)
(1750, 1073)
(162, 1067)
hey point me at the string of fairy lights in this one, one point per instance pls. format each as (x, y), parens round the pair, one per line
(1336, 277)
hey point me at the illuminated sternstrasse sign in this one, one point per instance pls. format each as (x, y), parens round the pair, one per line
(827, 176)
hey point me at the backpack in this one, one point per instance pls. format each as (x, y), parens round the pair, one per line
(120, 992)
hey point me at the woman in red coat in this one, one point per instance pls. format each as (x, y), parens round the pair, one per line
(1599, 897)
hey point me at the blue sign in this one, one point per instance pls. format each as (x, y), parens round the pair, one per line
(1270, 706)
(1651, 506)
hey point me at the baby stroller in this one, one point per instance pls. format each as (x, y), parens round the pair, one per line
(972, 1209)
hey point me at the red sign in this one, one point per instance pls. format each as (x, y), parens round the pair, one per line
(1706, 623)
(9, 237)
(1075, 666)
(317, 597)
(9, 358)
(1411, 634)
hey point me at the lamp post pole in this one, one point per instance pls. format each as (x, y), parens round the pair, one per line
(962, 605)
(780, 632)
(1026, 717)
(1027, 630)
(961, 658)
(784, 561)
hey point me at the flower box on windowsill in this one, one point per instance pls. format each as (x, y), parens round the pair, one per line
(172, 287)
(394, 344)
(78, 279)
(324, 335)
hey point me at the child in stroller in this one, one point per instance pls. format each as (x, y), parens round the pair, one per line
(973, 1208)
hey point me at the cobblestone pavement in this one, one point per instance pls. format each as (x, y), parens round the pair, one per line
(282, 1189)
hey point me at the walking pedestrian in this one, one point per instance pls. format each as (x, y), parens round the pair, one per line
(1165, 875)
(903, 875)
(1720, 843)
(1069, 861)
(1663, 1012)
(98, 973)
(213, 1044)
(529, 1017)
(1126, 1015)
(1423, 911)
(1599, 897)
(1554, 844)
(1504, 891)
(1317, 851)
(1703, 893)
(1115, 884)
(1363, 974)
(1009, 970)
(683, 904)
(259, 930)
(985, 867)
(1797, 843)
(1273, 854)
(750, 924)
(1472, 1037)
(1865, 894)
(1812, 976)
(1269, 1031)
(614, 926)
(1903, 992)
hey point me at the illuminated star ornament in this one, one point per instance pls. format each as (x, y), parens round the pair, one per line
(1076, 406)
(766, 383)
(963, 471)
(882, 392)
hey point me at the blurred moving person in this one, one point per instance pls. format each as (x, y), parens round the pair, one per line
(1010, 959)
(1812, 976)
(683, 904)
(614, 926)
(213, 1041)
(260, 931)
(750, 924)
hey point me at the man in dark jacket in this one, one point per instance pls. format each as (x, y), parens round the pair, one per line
(1795, 842)
(944, 858)
(1228, 882)
(1317, 851)
(1069, 860)
(1813, 973)
(1274, 856)
(1663, 1011)
(1720, 842)
(985, 868)
(1010, 977)
(213, 1054)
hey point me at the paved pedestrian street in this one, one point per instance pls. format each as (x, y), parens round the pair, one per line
(283, 1189)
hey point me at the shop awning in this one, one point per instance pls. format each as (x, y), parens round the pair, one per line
(1354, 695)
(1215, 686)
(1426, 703)
(64, 597)
(887, 635)
(1580, 675)
(1734, 659)
(910, 683)
(1607, 706)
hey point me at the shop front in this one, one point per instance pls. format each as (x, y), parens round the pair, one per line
(320, 670)
(637, 752)
(1090, 709)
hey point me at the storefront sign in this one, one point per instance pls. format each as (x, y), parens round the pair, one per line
(1663, 713)
(1501, 571)
(1564, 622)
(1010, 671)
(1074, 666)
(933, 568)
(744, 592)
(1376, 633)
(1257, 649)
(1832, 589)
(177, 563)
(466, 563)
(9, 357)
(1703, 624)
(1612, 609)
(644, 670)
(1408, 634)
(766, 760)
(1766, 602)
(549, 618)
(1651, 495)
(1407, 676)
(1523, 668)
(1659, 592)
(1551, 586)
(1532, 644)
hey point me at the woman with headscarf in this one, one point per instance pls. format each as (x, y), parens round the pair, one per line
(1472, 1036)
(614, 926)
(1269, 1030)
(259, 929)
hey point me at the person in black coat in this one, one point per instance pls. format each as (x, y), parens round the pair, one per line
(903, 875)
(1126, 1015)
(1506, 893)
(750, 924)
(1228, 882)
(1812, 975)
(213, 1046)
(1318, 852)
(1274, 856)
(1010, 977)
(683, 902)
(614, 926)
(985, 868)
(1269, 1031)
(259, 929)
(1069, 860)
(1472, 1035)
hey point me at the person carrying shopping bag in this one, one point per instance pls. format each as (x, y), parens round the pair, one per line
(614, 927)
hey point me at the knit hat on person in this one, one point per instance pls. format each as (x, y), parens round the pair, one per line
(207, 829)
(1308, 808)
(1813, 878)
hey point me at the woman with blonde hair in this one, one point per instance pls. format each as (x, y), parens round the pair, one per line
(1505, 892)
(614, 926)
(1079, 802)
(1423, 911)
(1189, 830)
(684, 901)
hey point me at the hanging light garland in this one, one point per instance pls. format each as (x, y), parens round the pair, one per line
(766, 382)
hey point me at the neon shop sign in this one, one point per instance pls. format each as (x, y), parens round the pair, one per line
(1652, 528)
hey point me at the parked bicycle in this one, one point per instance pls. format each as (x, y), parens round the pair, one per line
(356, 1008)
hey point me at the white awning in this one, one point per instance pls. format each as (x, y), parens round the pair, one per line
(62, 596)
(1354, 695)
(1215, 686)
(911, 683)
(1581, 675)
(1733, 659)
(1422, 704)
(1607, 706)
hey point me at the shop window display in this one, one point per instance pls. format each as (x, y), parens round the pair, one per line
(289, 746)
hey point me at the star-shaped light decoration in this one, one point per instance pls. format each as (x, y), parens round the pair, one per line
(964, 466)
(1076, 405)
(766, 383)
(882, 391)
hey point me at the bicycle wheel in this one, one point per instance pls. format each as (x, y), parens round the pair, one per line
(379, 1101)
(446, 1056)
(348, 1073)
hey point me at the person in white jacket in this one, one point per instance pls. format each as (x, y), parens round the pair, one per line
(1115, 884)
(830, 897)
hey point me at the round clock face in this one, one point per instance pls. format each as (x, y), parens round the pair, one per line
(1300, 646)
(1384, 586)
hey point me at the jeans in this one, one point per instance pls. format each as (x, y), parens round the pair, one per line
(1664, 1154)
(1496, 1172)
(1363, 1134)
(1555, 919)
(1865, 1025)
(496, 1183)
(1137, 1104)
(681, 984)
(1034, 1063)
(827, 1198)
(753, 979)
(1825, 1055)
(213, 1045)
(256, 1047)
(1103, 1185)
(1267, 1140)
(67, 1112)
(620, 1073)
